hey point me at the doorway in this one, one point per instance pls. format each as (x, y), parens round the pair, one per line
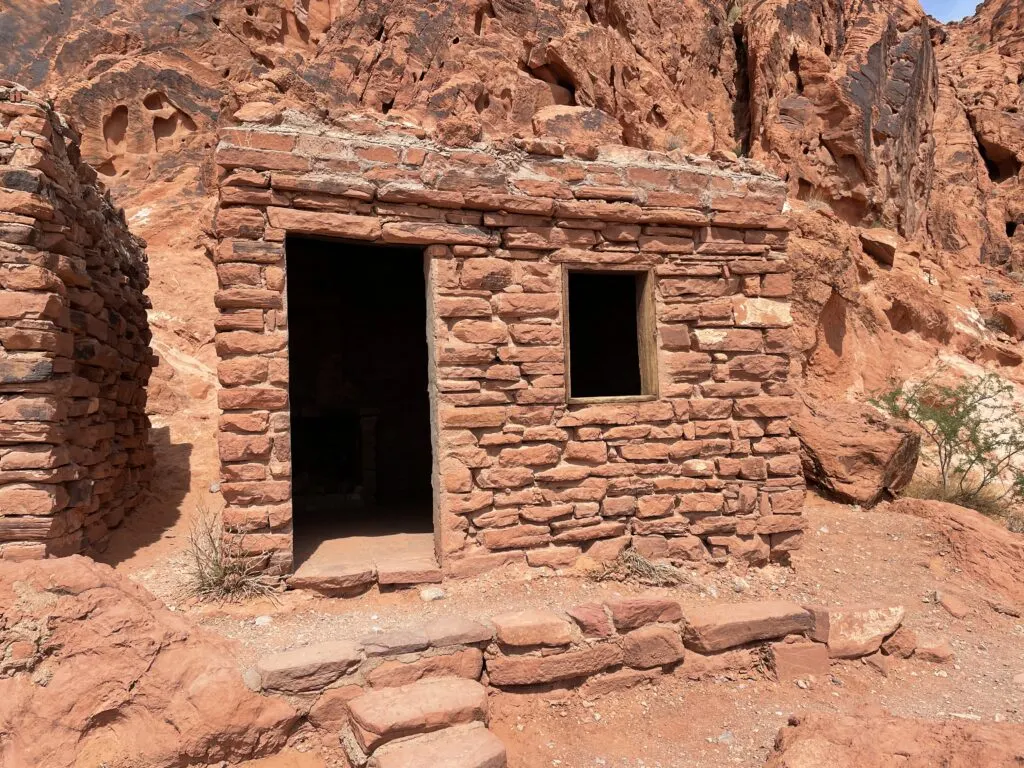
(360, 410)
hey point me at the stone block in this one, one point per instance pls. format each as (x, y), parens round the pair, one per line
(538, 670)
(652, 646)
(428, 705)
(634, 612)
(308, 668)
(466, 663)
(532, 628)
(799, 660)
(726, 626)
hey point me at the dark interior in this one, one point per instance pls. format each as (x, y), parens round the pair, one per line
(604, 356)
(361, 447)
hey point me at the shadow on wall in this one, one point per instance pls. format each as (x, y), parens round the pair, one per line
(161, 510)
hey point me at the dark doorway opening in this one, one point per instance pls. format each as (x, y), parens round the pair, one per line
(360, 411)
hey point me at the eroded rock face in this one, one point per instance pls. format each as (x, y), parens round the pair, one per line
(841, 100)
(95, 671)
(978, 201)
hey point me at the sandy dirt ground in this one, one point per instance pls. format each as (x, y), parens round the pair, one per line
(851, 556)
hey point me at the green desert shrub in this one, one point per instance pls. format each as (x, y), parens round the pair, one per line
(977, 430)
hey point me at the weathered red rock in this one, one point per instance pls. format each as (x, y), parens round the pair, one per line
(878, 741)
(308, 668)
(531, 628)
(880, 244)
(633, 612)
(455, 630)
(902, 643)
(428, 705)
(853, 454)
(856, 630)
(333, 579)
(652, 646)
(463, 746)
(104, 644)
(978, 545)
(535, 670)
(727, 626)
(592, 620)
(467, 663)
(798, 660)
(936, 652)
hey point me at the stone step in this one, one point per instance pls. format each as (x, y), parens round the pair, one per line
(462, 746)
(407, 572)
(428, 705)
(308, 668)
(334, 579)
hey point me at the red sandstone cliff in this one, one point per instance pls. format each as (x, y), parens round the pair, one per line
(899, 139)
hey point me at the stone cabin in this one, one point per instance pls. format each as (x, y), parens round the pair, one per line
(74, 343)
(441, 360)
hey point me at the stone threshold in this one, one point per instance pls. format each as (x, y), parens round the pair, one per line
(347, 579)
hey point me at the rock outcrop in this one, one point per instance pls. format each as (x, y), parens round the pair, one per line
(96, 671)
(978, 545)
(877, 740)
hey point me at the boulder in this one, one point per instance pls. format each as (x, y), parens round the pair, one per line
(853, 454)
(1011, 319)
(880, 244)
(127, 682)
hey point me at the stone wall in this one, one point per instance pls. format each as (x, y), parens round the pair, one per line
(705, 469)
(597, 648)
(75, 358)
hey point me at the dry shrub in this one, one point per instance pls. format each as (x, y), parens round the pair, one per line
(988, 501)
(221, 572)
(630, 565)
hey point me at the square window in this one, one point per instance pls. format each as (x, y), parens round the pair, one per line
(611, 349)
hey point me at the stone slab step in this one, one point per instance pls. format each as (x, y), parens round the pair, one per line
(408, 572)
(334, 579)
(308, 668)
(462, 746)
(429, 705)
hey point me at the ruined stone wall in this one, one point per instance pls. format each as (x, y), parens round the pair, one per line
(705, 469)
(75, 357)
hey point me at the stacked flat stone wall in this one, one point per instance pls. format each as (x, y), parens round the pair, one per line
(704, 470)
(75, 357)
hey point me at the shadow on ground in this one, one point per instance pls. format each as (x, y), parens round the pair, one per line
(161, 509)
